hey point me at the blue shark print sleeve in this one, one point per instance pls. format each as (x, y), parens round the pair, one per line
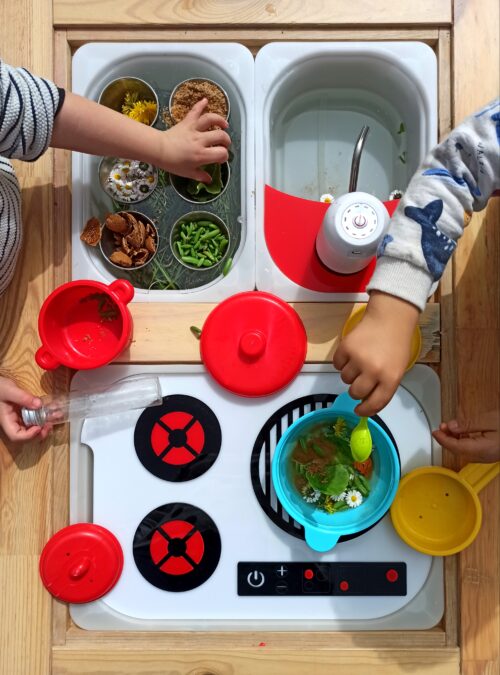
(457, 177)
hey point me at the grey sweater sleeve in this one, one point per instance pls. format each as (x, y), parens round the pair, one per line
(457, 177)
(28, 106)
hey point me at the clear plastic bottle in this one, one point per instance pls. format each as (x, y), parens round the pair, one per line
(130, 393)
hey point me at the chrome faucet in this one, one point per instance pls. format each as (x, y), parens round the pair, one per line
(356, 158)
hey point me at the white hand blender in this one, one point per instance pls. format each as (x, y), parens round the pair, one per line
(353, 225)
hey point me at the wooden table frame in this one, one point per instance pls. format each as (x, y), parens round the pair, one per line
(53, 643)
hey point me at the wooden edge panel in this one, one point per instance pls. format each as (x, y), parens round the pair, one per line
(259, 660)
(215, 640)
(241, 13)
(253, 39)
(448, 371)
(62, 273)
(170, 339)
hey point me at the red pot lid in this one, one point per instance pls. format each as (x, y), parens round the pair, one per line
(81, 563)
(253, 343)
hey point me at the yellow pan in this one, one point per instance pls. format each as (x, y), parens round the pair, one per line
(416, 339)
(437, 511)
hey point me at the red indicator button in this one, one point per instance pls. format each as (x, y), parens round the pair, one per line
(309, 574)
(344, 586)
(391, 575)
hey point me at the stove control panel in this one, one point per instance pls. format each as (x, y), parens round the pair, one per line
(307, 578)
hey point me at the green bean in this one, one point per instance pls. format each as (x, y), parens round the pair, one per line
(319, 451)
(190, 260)
(227, 266)
(209, 235)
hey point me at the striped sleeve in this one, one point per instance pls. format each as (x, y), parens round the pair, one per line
(28, 105)
(10, 223)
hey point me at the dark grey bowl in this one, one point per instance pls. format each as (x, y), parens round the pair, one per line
(107, 244)
(199, 215)
(179, 183)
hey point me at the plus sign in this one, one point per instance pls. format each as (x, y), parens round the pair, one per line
(282, 571)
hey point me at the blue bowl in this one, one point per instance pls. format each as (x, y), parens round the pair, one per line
(323, 530)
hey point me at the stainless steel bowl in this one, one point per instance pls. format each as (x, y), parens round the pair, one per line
(113, 94)
(198, 79)
(104, 170)
(179, 183)
(107, 243)
(199, 215)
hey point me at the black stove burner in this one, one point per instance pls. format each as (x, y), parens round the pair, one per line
(263, 449)
(178, 440)
(177, 547)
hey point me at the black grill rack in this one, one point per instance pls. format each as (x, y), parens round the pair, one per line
(262, 456)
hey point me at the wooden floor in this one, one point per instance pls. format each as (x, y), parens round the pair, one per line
(34, 637)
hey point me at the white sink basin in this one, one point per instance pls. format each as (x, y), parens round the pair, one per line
(311, 100)
(163, 65)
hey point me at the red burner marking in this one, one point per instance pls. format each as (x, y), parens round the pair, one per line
(177, 438)
(176, 547)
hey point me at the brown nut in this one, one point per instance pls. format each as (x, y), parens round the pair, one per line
(91, 234)
(125, 246)
(129, 218)
(116, 223)
(121, 259)
(150, 244)
(140, 257)
(137, 236)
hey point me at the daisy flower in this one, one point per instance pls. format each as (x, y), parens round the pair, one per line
(341, 496)
(353, 499)
(312, 497)
(326, 198)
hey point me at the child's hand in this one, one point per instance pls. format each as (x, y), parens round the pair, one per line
(190, 144)
(373, 357)
(477, 443)
(12, 398)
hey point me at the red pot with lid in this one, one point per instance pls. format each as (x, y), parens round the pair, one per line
(253, 344)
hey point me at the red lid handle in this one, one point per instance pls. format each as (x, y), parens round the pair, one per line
(253, 344)
(80, 569)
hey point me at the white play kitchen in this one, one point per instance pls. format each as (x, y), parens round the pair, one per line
(175, 520)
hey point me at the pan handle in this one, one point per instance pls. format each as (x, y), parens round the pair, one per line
(344, 403)
(479, 475)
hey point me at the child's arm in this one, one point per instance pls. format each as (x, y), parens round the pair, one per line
(457, 178)
(28, 105)
(85, 126)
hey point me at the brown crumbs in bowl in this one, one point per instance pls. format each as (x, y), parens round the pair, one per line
(135, 240)
(127, 239)
(190, 92)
